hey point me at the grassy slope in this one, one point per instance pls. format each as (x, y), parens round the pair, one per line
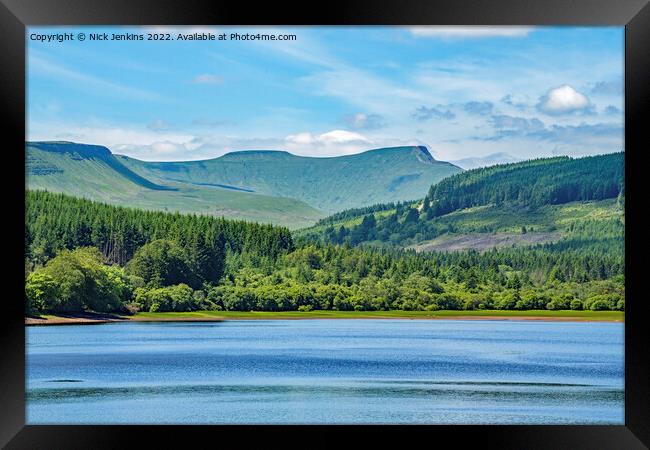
(546, 218)
(328, 184)
(96, 178)
(552, 219)
(545, 224)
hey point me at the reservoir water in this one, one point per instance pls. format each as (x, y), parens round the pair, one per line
(327, 371)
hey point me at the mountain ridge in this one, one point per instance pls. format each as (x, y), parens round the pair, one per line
(329, 184)
(260, 185)
(423, 150)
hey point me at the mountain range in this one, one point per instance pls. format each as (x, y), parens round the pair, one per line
(265, 186)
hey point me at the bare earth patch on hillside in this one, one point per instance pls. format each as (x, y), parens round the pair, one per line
(484, 241)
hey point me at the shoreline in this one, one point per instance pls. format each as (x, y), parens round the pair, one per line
(71, 320)
(220, 316)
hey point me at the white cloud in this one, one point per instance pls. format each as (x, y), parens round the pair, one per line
(207, 78)
(340, 142)
(339, 136)
(562, 100)
(331, 137)
(166, 147)
(469, 32)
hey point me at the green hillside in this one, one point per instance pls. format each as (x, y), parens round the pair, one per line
(544, 181)
(328, 184)
(527, 203)
(92, 172)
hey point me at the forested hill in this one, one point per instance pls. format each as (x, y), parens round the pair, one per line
(56, 221)
(545, 181)
(540, 195)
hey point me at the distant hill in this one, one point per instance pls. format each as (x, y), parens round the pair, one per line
(327, 184)
(42, 158)
(93, 172)
(530, 183)
(485, 161)
(529, 202)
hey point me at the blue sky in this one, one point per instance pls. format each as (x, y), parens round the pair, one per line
(462, 91)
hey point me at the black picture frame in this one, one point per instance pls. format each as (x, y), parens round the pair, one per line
(15, 15)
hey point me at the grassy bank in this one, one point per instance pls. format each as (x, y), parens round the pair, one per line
(544, 315)
(492, 314)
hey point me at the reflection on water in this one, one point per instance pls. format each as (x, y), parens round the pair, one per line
(327, 371)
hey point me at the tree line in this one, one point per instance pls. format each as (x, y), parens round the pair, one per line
(173, 262)
(57, 221)
(320, 276)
